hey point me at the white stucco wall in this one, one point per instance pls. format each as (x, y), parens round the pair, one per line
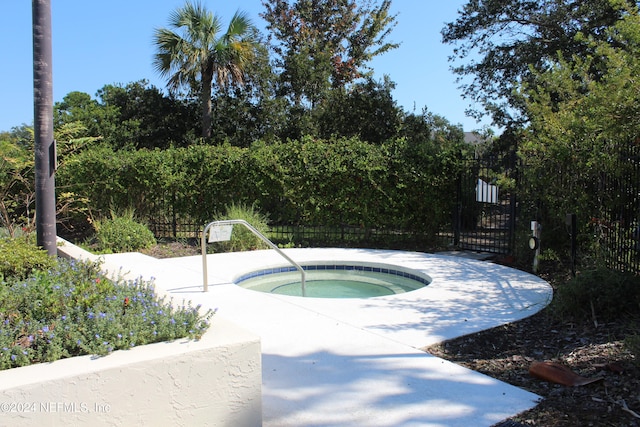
(214, 381)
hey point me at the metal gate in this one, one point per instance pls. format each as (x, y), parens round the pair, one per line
(485, 215)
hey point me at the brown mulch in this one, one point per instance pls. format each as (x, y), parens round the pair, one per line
(172, 249)
(589, 348)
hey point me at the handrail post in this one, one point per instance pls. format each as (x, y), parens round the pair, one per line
(203, 245)
(205, 281)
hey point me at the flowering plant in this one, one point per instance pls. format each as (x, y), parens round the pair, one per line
(72, 309)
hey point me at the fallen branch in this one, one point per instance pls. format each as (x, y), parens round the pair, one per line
(621, 403)
(626, 408)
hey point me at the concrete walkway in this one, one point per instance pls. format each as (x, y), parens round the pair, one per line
(356, 362)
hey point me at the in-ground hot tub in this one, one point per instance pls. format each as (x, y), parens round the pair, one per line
(336, 280)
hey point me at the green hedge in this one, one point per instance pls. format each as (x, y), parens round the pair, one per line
(308, 181)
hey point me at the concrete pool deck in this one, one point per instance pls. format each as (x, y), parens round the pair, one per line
(356, 362)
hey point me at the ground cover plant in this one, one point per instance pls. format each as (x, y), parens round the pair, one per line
(72, 309)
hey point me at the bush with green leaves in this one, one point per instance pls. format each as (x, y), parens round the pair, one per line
(242, 239)
(122, 233)
(402, 184)
(600, 295)
(19, 257)
(73, 310)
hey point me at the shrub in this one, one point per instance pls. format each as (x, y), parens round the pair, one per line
(601, 294)
(632, 343)
(19, 257)
(242, 239)
(122, 234)
(74, 310)
(400, 185)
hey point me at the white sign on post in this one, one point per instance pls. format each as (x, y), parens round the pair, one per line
(220, 233)
(486, 192)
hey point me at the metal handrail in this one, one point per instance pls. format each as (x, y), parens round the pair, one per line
(205, 284)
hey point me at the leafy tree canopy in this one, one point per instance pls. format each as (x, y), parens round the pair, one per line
(582, 135)
(500, 44)
(136, 115)
(245, 113)
(581, 108)
(325, 43)
(144, 117)
(367, 111)
(81, 108)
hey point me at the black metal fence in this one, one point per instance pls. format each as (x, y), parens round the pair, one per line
(174, 229)
(315, 236)
(485, 216)
(618, 230)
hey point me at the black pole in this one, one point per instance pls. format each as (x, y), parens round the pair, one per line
(572, 222)
(45, 148)
(457, 212)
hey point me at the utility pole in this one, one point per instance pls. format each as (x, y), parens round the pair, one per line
(45, 146)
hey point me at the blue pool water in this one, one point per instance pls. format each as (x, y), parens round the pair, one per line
(335, 281)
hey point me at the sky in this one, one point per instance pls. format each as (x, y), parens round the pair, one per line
(96, 43)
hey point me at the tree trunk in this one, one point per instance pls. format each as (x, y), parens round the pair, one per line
(207, 81)
(45, 149)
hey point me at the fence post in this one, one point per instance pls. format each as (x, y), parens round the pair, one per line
(572, 223)
(457, 211)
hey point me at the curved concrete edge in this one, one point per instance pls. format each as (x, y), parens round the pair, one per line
(128, 266)
(212, 381)
(70, 251)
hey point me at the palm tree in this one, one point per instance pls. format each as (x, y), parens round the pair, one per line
(199, 52)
